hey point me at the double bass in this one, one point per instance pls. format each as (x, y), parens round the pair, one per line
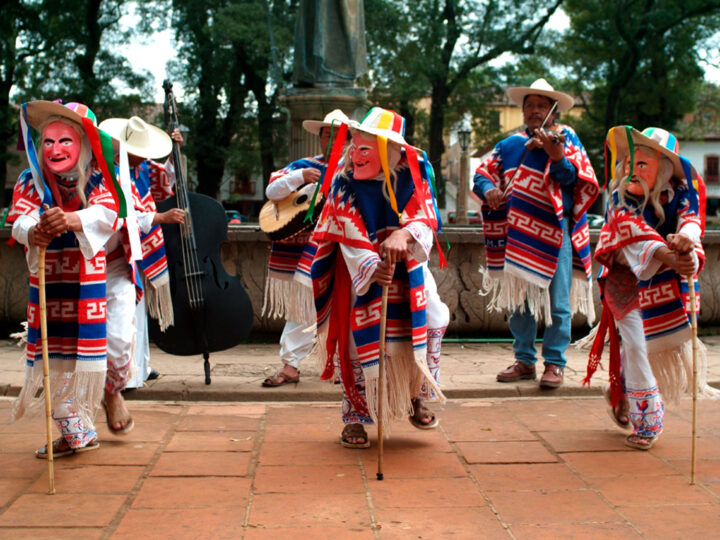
(212, 310)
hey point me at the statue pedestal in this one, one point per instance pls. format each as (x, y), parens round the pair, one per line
(314, 104)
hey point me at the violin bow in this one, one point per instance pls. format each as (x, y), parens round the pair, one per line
(527, 150)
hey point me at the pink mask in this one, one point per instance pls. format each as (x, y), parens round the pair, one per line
(61, 147)
(365, 157)
(645, 168)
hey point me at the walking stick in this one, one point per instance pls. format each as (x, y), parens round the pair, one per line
(693, 324)
(46, 368)
(381, 379)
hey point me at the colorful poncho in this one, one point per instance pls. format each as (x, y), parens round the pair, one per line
(357, 214)
(663, 299)
(149, 179)
(76, 301)
(288, 292)
(523, 237)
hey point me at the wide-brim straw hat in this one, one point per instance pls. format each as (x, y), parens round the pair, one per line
(140, 138)
(384, 123)
(541, 88)
(335, 118)
(39, 111)
(656, 138)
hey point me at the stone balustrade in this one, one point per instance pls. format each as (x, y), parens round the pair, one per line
(247, 250)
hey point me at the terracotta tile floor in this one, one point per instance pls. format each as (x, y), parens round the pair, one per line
(496, 468)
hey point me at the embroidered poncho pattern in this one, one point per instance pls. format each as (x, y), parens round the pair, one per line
(523, 238)
(358, 215)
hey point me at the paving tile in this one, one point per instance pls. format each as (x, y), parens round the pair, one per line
(324, 533)
(62, 510)
(436, 493)
(21, 442)
(302, 414)
(197, 523)
(202, 464)
(117, 452)
(707, 471)
(209, 422)
(414, 465)
(665, 490)
(223, 409)
(468, 523)
(575, 531)
(706, 447)
(143, 431)
(585, 441)
(505, 452)
(305, 453)
(549, 507)
(210, 441)
(526, 477)
(327, 479)
(480, 430)
(609, 464)
(24, 465)
(11, 488)
(346, 510)
(414, 440)
(89, 479)
(308, 432)
(674, 522)
(192, 492)
(55, 533)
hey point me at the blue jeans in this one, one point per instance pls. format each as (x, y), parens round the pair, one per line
(556, 337)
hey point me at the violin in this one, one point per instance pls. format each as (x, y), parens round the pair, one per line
(212, 310)
(554, 132)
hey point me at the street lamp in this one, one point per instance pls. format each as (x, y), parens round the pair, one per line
(463, 135)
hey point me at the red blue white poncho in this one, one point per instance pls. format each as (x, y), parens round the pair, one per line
(357, 214)
(523, 237)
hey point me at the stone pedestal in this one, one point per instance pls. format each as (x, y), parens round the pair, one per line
(314, 104)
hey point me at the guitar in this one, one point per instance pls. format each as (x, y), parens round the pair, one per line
(281, 220)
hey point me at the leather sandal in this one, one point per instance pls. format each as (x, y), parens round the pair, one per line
(61, 448)
(420, 411)
(274, 381)
(618, 412)
(640, 442)
(127, 420)
(354, 431)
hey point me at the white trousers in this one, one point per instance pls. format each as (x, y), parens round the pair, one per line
(296, 342)
(142, 347)
(120, 325)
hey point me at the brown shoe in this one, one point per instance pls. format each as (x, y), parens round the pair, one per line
(516, 372)
(553, 376)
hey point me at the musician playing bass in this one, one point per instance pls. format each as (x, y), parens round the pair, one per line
(536, 187)
(290, 259)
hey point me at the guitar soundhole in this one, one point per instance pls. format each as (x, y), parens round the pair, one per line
(301, 199)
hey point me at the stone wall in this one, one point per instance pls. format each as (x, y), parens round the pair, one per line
(246, 254)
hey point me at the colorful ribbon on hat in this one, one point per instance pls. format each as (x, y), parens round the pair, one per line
(40, 186)
(101, 144)
(327, 175)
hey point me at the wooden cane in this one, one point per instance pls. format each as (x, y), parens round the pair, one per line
(693, 324)
(381, 380)
(46, 368)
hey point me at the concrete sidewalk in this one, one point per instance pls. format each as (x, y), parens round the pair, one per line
(467, 370)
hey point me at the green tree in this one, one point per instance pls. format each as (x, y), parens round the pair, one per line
(439, 44)
(635, 61)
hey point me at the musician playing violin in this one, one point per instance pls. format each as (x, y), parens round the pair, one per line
(288, 291)
(536, 187)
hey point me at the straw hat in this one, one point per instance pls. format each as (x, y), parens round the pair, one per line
(384, 123)
(655, 138)
(542, 88)
(140, 138)
(333, 117)
(39, 111)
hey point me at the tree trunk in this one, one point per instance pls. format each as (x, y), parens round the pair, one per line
(437, 144)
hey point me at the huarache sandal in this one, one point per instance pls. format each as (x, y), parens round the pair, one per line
(354, 431)
(640, 442)
(420, 413)
(61, 448)
(279, 379)
(127, 421)
(619, 413)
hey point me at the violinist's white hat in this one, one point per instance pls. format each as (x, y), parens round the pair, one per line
(140, 138)
(333, 118)
(541, 88)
